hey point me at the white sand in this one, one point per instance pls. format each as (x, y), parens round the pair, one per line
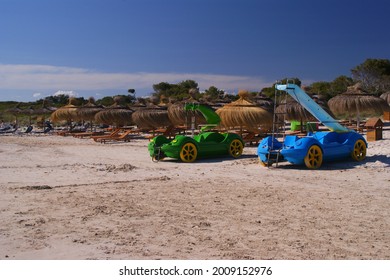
(68, 198)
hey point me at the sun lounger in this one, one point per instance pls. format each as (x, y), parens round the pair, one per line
(88, 134)
(125, 136)
(168, 132)
(113, 133)
(252, 138)
(68, 132)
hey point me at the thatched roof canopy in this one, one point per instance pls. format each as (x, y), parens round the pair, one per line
(179, 116)
(386, 97)
(295, 111)
(89, 110)
(65, 113)
(245, 113)
(355, 102)
(118, 114)
(15, 111)
(151, 117)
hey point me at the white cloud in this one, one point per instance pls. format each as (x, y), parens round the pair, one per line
(46, 77)
(36, 95)
(69, 93)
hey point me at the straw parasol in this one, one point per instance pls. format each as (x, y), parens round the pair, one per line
(294, 111)
(16, 111)
(28, 112)
(152, 117)
(181, 117)
(65, 113)
(386, 97)
(355, 101)
(117, 114)
(88, 111)
(245, 113)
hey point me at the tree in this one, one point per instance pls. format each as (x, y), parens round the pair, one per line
(176, 91)
(105, 101)
(373, 75)
(270, 91)
(331, 89)
(213, 93)
(340, 85)
(321, 88)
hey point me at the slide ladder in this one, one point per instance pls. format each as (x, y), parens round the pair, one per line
(278, 125)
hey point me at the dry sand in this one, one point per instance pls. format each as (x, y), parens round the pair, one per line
(68, 198)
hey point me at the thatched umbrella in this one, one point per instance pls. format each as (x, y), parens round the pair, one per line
(181, 117)
(42, 112)
(16, 111)
(118, 115)
(355, 101)
(151, 117)
(88, 111)
(65, 113)
(386, 97)
(294, 111)
(28, 112)
(264, 101)
(245, 113)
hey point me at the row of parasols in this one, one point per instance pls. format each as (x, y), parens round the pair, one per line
(252, 114)
(240, 113)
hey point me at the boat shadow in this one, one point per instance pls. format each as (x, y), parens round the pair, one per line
(381, 160)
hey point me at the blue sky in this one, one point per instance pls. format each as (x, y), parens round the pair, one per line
(104, 47)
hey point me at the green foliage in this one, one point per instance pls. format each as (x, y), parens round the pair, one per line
(105, 101)
(174, 91)
(373, 74)
(56, 101)
(270, 91)
(340, 85)
(331, 89)
(213, 93)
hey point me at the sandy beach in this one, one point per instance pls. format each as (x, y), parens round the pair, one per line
(69, 198)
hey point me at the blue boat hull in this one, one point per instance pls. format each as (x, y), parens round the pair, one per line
(333, 145)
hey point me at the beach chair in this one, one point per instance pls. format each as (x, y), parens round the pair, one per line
(251, 138)
(125, 136)
(113, 133)
(168, 132)
(88, 134)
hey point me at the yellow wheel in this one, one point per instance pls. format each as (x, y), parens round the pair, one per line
(313, 158)
(188, 152)
(359, 150)
(235, 148)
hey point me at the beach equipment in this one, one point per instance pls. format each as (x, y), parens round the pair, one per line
(118, 114)
(245, 114)
(16, 111)
(386, 96)
(313, 149)
(386, 114)
(65, 113)
(88, 111)
(298, 115)
(356, 102)
(180, 117)
(151, 117)
(124, 136)
(205, 144)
